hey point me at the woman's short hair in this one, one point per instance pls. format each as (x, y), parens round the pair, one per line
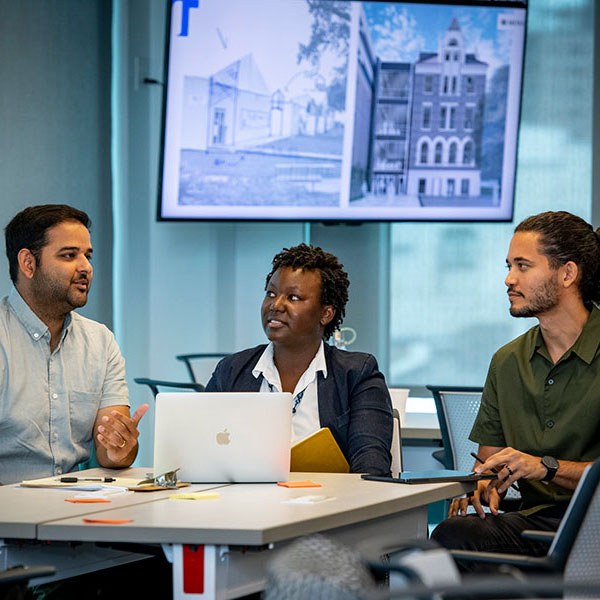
(334, 280)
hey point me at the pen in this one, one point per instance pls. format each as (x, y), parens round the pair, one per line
(77, 479)
(479, 459)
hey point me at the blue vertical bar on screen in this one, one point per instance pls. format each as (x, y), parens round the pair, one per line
(185, 14)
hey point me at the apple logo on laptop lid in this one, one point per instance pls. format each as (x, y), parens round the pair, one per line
(223, 437)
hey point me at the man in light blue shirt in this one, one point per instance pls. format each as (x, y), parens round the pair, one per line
(62, 376)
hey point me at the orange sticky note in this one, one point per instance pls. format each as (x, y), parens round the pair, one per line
(86, 500)
(299, 484)
(108, 521)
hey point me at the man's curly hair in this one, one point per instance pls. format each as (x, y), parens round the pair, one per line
(334, 280)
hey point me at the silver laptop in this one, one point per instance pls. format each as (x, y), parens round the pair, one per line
(222, 437)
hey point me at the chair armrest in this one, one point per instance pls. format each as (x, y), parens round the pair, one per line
(538, 563)
(540, 536)
(184, 385)
(373, 549)
(155, 384)
(24, 574)
(484, 586)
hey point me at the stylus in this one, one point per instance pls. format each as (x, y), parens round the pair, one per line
(479, 459)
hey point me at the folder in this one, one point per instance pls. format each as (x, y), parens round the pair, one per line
(318, 453)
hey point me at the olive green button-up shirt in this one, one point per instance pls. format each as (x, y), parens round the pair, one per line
(542, 408)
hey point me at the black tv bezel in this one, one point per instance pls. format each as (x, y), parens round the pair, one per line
(520, 4)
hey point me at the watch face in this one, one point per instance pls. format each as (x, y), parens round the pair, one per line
(550, 463)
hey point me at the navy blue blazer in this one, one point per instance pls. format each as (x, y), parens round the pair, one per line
(354, 402)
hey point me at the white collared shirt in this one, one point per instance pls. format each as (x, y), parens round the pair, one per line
(306, 418)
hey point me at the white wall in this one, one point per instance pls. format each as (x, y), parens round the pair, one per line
(55, 121)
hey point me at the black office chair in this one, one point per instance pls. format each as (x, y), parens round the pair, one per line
(572, 559)
(194, 362)
(577, 537)
(318, 567)
(157, 385)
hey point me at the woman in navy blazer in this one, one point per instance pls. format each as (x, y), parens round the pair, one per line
(305, 300)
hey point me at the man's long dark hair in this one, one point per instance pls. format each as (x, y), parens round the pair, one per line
(566, 237)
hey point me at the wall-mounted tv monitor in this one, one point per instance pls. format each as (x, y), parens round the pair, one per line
(340, 110)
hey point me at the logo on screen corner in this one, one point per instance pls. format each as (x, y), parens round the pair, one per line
(186, 5)
(510, 21)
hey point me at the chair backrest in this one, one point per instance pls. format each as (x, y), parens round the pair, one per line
(457, 408)
(396, 448)
(318, 567)
(575, 545)
(399, 397)
(200, 366)
(158, 385)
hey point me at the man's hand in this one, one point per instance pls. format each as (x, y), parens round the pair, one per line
(483, 492)
(511, 466)
(117, 435)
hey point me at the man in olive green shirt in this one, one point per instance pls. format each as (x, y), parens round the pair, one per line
(539, 420)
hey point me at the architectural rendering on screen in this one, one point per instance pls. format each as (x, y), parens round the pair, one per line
(340, 110)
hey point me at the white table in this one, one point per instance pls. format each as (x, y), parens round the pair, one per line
(219, 548)
(23, 510)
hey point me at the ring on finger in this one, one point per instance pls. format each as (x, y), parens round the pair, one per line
(122, 444)
(509, 470)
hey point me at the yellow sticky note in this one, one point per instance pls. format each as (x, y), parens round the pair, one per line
(195, 496)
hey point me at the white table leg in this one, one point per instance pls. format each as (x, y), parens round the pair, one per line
(212, 572)
(195, 571)
(216, 572)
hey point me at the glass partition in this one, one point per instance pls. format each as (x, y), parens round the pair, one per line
(449, 310)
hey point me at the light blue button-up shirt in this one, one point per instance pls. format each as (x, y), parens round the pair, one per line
(49, 400)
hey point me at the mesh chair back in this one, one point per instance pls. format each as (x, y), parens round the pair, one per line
(583, 564)
(575, 545)
(457, 410)
(317, 567)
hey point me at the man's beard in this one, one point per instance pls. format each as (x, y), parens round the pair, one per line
(59, 294)
(544, 299)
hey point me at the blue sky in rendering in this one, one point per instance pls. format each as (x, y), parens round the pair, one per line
(400, 31)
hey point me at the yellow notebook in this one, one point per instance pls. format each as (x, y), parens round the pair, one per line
(318, 453)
